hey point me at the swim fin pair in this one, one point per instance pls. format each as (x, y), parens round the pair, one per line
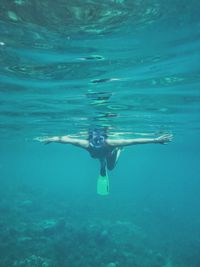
(103, 185)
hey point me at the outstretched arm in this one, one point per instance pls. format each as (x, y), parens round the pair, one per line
(64, 140)
(163, 139)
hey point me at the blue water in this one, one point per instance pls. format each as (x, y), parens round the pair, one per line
(131, 67)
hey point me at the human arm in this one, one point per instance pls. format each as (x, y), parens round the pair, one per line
(163, 139)
(64, 140)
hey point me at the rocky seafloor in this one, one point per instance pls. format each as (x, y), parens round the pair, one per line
(39, 229)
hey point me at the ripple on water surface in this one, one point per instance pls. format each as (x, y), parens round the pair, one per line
(131, 66)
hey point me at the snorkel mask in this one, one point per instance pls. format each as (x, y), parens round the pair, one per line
(97, 138)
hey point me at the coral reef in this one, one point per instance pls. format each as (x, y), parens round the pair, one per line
(32, 261)
(57, 234)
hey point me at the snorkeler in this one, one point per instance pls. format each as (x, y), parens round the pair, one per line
(106, 150)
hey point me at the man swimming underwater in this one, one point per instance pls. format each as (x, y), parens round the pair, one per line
(106, 150)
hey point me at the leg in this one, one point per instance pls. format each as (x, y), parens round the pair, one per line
(103, 171)
(112, 158)
(103, 181)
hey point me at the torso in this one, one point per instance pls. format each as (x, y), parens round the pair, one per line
(98, 153)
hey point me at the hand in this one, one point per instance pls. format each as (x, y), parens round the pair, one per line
(47, 140)
(163, 139)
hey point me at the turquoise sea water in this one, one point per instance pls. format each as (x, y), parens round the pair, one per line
(131, 66)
